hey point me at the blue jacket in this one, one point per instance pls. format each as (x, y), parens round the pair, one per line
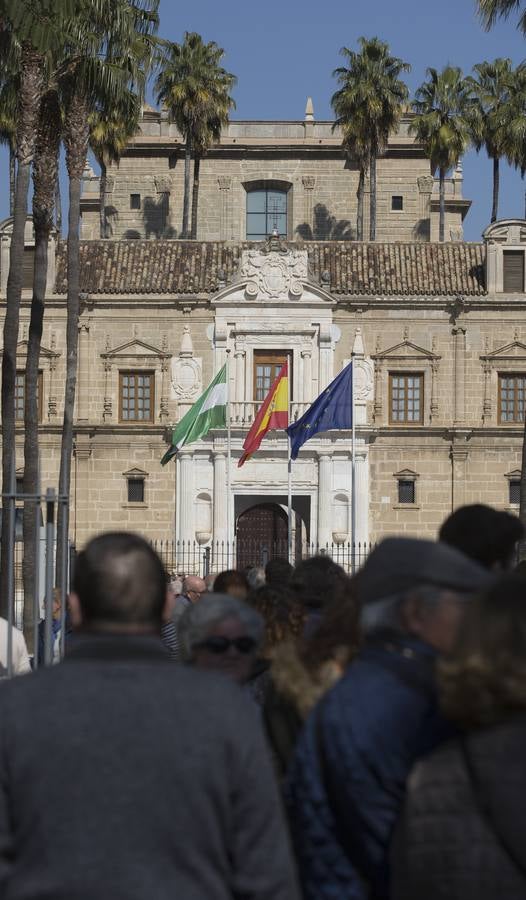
(347, 778)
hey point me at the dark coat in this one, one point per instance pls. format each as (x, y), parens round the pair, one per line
(148, 782)
(346, 782)
(446, 846)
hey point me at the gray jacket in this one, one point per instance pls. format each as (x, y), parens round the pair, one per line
(124, 776)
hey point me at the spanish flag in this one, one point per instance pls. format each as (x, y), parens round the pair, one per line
(273, 413)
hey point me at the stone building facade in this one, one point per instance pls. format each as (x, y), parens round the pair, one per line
(437, 332)
(296, 170)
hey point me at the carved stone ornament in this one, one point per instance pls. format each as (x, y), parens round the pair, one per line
(163, 184)
(274, 275)
(363, 379)
(308, 182)
(224, 182)
(425, 184)
(185, 378)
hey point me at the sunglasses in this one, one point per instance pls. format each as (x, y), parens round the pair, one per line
(220, 644)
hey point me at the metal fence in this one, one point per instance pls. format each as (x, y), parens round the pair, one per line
(192, 558)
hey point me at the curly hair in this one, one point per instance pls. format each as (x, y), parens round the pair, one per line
(282, 613)
(338, 635)
(484, 679)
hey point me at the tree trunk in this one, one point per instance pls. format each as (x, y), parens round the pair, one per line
(76, 142)
(12, 179)
(58, 209)
(45, 178)
(496, 174)
(29, 100)
(442, 212)
(186, 199)
(372, 179)
(102, 200)
(359, 214)
(195, 196)
(522, 504)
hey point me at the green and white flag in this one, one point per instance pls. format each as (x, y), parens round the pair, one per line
(206, 413)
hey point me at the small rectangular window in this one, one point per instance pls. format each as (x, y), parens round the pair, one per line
(135, 201)
(406, 491)
(136, 396)
(20, 484)
(267, 366)
(20, 396)
(397, 202)
(513, 280)
(135, 490)
(515, 491)
(512, 389)
(406, 399)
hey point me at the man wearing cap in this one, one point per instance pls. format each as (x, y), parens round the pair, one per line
(347, 779)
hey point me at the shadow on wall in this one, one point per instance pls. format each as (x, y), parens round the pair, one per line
(326, 227)
(155, 216)
(422, 230)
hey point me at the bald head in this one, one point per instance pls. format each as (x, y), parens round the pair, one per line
(194, 587)
(120, 581)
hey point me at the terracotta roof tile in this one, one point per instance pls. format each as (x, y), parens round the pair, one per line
(190, 267)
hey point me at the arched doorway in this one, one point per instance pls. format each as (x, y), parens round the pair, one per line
(261, 534)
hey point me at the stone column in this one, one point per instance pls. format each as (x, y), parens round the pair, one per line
(459, 356)
(425, 188)
(326, 353)
(378, 405)
(220, 532)
(362, 498)
(459, 457)
(83, 392)
(306, 381)
(84, 522)
(324, 498)
(308, 182)
(434, 397)
(225, 227)
(239, 356)
(163, 406)
(185, 530)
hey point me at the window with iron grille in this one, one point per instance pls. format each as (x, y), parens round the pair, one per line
(406, 491)
(515, 491)
(511, 398)
(397, 202)
(135, 490)
(406, 398)
(135, 201)
(20, 396)
(136, 395)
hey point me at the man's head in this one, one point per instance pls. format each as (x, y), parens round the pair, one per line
(232, 582)
(486, 535)
(278, 572)
(418, 587)
(194, 587)
(119, 584)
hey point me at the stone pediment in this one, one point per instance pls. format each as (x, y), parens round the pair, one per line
(405, 475)
(135, 349)
(506, 231)
(514, 351)
(406, 350)
(21, 350)
(135, 473)
(515, 473)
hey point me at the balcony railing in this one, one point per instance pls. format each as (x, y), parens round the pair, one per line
(243, 412)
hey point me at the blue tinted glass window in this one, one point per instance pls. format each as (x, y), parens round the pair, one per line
(266, 211)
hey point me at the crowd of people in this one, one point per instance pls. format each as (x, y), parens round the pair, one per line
(277, 733)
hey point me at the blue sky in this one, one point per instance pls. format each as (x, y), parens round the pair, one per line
(285, 50)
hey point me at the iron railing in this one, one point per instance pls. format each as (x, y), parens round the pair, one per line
(191, 558)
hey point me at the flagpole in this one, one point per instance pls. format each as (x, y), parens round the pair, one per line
(353, 475)
(289, 462)
(228, 459)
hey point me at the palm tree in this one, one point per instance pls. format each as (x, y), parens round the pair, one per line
(443, 109)
(491, 89)
(110, 131)
(356, 150)
(8, 95)
(120, 34)
(45, 177)
(372, 94)
(196, 90)
(491, 10)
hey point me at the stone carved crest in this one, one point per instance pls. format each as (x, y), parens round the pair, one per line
(274, 275)
(425, 184)
(363, 379)
(163, 184)
(185, 378)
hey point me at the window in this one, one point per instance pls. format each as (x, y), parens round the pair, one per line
(135, 201)
(266, 211)
(406, 399)
(20, 396)
(267, 365)
(136, 395)
(28, 267)
(135, 490)
(513, 281)
(20, 484)
(406, 491)
(514, 491)
(511, 398)
(397, 202)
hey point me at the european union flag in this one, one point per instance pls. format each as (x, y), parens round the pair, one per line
(331, 410)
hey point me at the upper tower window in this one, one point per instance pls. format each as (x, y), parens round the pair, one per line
(266, 212)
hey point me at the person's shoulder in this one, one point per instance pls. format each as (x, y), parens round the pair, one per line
(439, 767)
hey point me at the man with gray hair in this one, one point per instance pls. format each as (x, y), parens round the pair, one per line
(348, 775)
